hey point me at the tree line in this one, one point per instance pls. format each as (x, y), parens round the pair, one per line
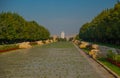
(14, 28)
(105, 27)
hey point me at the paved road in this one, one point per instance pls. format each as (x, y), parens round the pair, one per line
(58, 60)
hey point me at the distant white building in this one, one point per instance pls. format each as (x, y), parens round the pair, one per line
(62, 35)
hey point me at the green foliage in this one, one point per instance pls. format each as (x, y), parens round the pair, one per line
(103, 28)
(71, 38)
(107, 44)
(14, 28)
(113, 56)
(117, 58)
(110, 54)
(77, 37)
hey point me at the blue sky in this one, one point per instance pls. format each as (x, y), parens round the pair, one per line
(57, 15)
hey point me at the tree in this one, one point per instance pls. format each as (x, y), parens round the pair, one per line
(14, 28)
(105, 27)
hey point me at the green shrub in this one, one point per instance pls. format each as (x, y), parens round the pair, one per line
(110, 54)
(117, 58)
(113, 56)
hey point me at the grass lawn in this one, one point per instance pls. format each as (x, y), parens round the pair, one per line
(111, 66)
(9, 46)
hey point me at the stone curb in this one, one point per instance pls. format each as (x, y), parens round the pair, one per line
(108, 69)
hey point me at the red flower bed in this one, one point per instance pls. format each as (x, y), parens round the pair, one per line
(8, 49)
(113, 62)
(118, 64)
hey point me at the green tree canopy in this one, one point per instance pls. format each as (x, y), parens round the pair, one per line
(14, 28)
(105, 27)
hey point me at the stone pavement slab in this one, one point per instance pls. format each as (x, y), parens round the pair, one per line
(53, 61)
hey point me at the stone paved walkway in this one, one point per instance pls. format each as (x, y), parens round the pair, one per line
(58, 60)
